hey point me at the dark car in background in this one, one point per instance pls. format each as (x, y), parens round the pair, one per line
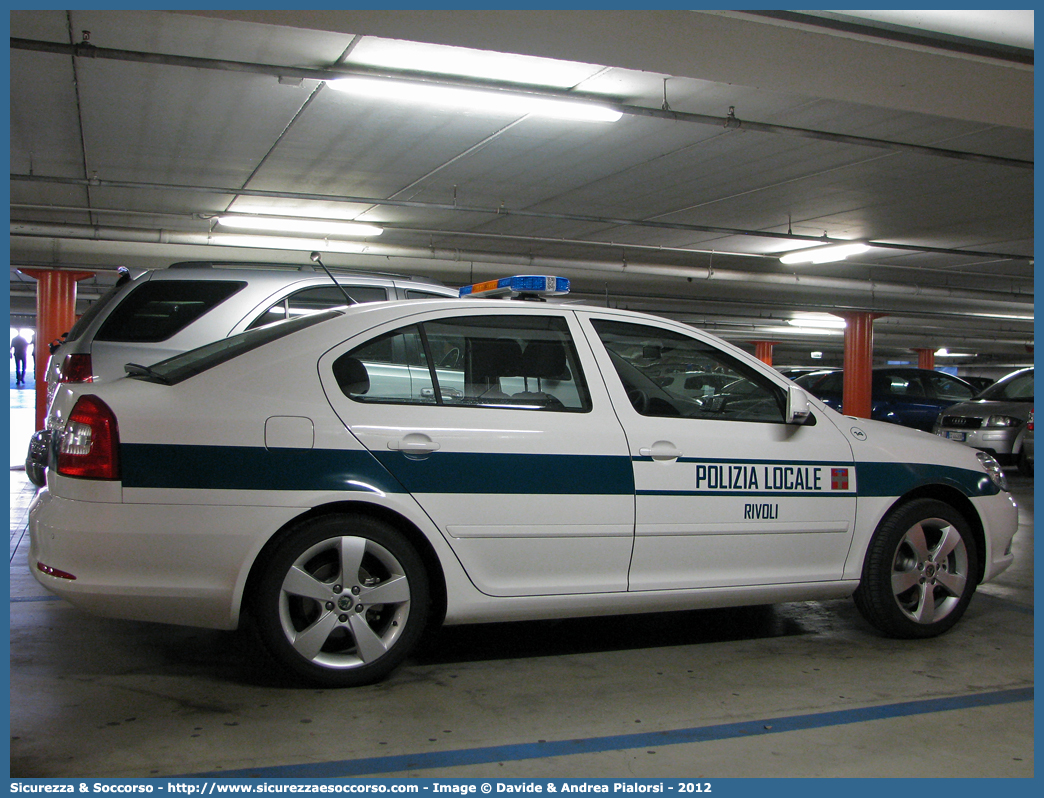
(911, 397)
(999, 421)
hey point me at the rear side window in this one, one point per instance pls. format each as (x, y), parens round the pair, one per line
(506, 362)
(902, 385)
(159, 309)
(312, 300)
(413, 293)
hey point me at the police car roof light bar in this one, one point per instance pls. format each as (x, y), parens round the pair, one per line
(520, 286)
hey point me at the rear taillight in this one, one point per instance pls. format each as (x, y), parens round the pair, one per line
(90, 442)
(76, 368)
(1029, 424)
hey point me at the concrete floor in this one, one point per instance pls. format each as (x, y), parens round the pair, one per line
(792, 690)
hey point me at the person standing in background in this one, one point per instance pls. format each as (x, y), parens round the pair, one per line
(19, 346)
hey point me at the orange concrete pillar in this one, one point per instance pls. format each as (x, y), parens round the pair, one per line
(763, 351)
(859, 360)
(55, 314)
(926, 359)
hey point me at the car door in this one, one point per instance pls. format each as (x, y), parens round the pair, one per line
(492, 420)
(727, 494)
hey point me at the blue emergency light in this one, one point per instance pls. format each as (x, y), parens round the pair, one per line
(519, 285)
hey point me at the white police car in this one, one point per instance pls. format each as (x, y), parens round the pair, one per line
(351, 477)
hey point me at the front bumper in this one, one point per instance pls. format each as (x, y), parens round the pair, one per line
(998, 442)
(1000, 521)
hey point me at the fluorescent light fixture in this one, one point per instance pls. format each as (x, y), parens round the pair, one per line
(405, 56)
(816, 355)
(818, 322)
(484, 101)
(817, 331)
(284, 242)
(824, 254)
(946, 353)
(320, 227)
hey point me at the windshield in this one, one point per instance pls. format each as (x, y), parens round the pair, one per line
(1016, 387)
(195, 361)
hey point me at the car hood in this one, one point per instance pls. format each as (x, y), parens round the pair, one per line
(880, 441)
(981, 408)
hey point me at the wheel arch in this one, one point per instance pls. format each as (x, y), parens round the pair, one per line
(409, 530)
(960, 502)
(1016, 445)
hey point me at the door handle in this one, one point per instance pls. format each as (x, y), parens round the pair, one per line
(409, 446)
(414, 443)
(661, 450)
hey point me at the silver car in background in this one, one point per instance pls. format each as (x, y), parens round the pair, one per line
(999, 421)
(164, 312)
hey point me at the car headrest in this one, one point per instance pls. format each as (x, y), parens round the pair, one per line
(545, 360)
(495, 358)
(351, 375)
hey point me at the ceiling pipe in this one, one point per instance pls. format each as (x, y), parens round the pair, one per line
(616, 246)
(85, 49)
(978, 299)
(499, 211)
(975, 299)
(868, 29)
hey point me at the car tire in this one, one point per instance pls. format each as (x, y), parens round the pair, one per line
(1025, 464)
(36, 458)
(920, 571)
(342, 600)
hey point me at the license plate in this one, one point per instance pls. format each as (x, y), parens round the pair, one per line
(956, 436)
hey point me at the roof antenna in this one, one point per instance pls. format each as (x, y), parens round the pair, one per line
(317, 259)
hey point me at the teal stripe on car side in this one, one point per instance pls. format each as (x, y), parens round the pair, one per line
(257, 468)
(252, 468)
(895, 479)
(538, 474)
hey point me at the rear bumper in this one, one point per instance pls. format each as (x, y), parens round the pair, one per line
(184, 565)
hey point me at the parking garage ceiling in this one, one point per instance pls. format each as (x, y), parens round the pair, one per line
(740, 137)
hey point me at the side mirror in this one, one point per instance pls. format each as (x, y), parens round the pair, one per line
(798, 410)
